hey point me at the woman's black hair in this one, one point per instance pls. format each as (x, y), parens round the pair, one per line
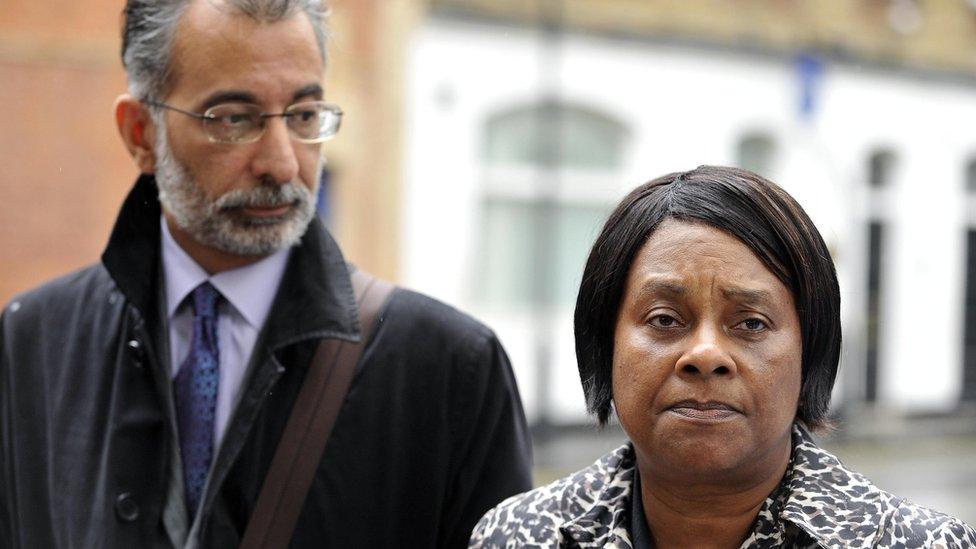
(747, 206)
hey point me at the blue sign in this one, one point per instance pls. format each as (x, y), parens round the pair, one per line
(809, 72)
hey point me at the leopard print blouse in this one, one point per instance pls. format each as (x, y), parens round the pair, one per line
(820, 503)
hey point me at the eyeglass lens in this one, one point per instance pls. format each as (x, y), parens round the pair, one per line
(311, 122)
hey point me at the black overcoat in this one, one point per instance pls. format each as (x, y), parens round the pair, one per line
(431, 435)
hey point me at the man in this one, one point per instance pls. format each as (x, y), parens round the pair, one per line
(142, 399)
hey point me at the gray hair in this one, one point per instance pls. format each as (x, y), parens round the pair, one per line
(149, 27)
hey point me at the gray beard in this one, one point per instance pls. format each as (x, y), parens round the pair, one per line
(219, 223)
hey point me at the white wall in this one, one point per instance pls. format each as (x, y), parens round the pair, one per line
(686, 107)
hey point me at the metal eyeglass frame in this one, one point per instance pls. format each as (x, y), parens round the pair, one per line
(208, 116)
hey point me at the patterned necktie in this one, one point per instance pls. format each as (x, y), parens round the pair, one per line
(195, 389)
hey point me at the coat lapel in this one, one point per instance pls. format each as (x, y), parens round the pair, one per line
(820, 498)
(603, 521)
(132, 254)
(314, 301)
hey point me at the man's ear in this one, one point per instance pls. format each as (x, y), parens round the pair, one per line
(137, 130)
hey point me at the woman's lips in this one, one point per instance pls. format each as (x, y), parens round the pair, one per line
(703, 411)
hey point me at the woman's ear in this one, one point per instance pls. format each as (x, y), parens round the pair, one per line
(137, 130)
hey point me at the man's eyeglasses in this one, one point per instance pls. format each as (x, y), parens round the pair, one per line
(308, 122)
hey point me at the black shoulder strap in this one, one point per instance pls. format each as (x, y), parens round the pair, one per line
(310, 423)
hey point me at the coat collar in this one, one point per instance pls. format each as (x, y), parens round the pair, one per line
(314, 300)
(828, 501)
(816, 497)
(602, 520)
(132, 254)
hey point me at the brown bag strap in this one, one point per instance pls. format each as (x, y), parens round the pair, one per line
(314, 413)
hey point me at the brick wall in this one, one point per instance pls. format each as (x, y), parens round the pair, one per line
(64, 170)
(929, 34)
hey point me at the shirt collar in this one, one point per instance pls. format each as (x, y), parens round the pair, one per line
(314, 298)
(250, 289)
(640, 534)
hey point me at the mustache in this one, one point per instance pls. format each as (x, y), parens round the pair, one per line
(264, 196)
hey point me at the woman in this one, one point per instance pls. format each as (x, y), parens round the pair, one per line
(709, 319)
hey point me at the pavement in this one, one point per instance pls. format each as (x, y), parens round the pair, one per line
(937, 471)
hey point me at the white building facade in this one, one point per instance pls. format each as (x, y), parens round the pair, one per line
(500, 207)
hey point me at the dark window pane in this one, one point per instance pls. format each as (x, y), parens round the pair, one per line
(875, 250)
(881, 168)
(756, 153)
(969, 330)
(971, 176)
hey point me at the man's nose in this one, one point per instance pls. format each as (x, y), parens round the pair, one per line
(706, 354)
(275, 158)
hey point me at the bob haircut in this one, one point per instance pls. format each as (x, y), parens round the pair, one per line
(755, 211)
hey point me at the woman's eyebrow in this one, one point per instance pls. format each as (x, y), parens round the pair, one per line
(747, 295)
(656, 286)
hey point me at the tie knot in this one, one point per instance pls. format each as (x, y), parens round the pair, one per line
(205, 300)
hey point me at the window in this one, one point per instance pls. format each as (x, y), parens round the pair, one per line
(757, 153)
(512, 250)
(881, 168)
(873, 316)
(969, 327)
(969, 298)
(585, 139)
(542, 206)
(971, 176)
(550, 176)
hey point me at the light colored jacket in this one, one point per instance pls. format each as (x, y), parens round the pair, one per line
(820, 503)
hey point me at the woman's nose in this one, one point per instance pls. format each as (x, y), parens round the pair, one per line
(706, 354)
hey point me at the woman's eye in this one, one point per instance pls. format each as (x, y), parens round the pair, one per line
(663, 321)
(753, 325)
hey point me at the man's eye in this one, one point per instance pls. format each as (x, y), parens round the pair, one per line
(235, 119)
(305, 116)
